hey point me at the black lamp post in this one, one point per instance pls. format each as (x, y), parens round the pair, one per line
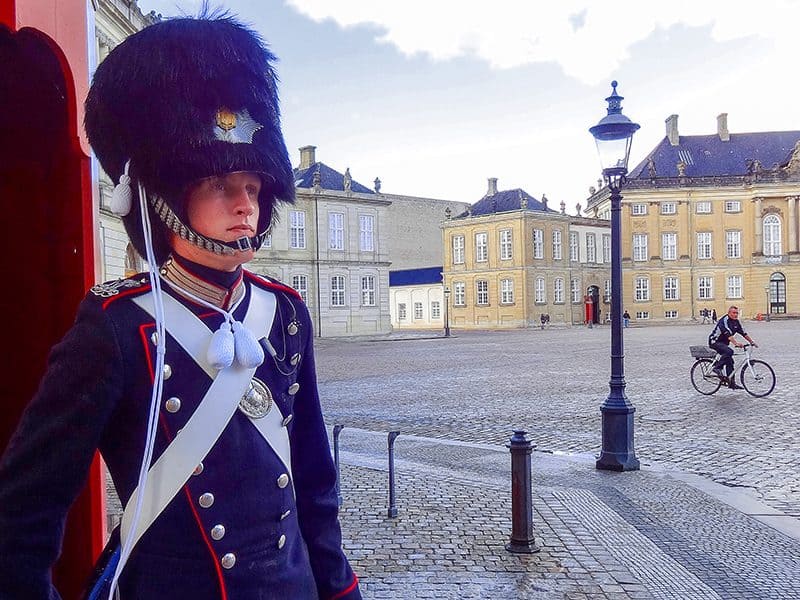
(447, 312)
(613, 135)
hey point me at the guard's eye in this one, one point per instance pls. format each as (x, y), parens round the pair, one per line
(252, 190)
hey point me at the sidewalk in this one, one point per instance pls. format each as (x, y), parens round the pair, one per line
(644, 534)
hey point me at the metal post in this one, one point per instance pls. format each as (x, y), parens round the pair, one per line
(766, 317)
(446, 312)
(522, 541)
(392, 512)
(337, 429)
(617, 453)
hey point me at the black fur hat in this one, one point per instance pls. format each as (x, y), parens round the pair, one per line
(185, 99)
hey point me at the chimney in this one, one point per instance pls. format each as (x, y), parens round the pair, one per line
(307, 156)
(492, 186)
(722, 127)
(672, 130)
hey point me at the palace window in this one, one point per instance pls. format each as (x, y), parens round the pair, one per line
(669, 246)
(669, 208)
(300, 284)
(538, 243)
(401, 312)
(772, 236)
(556, 244)
(458, 249)
(505, 244)
(336, 231)
(417, 311)
(558, 290)
(591, 248)
(368, 290)
(638, 209)
(459, 294)
(734, 286)
(704, 245)
(366, 232)
(575, 290)
(481, 247)
(482, 292)
(705, 287)
(606, 248)
(507, 291)
(670, 314)
(436, 310)
(640, 246)
(573, 246)
(733, 206)
(539, 294)
(337, 290)
(297, 229)
(733, 244)
(671, 288)
(642, 289)
(703, 207)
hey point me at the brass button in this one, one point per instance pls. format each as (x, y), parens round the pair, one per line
(228, 560)
(154, 338)
(281, 541)
(198, 469)
(173, 405)
(167, 372)
(292, 328)
(287, 419)
(293, 388)
(218, 532)
(283, 480)
(206, 500)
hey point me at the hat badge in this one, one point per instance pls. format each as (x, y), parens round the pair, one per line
(235, 127)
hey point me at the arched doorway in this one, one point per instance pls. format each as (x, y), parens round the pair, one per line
(777, 294)
(46, 246)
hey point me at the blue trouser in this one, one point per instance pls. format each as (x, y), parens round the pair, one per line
(725, 356)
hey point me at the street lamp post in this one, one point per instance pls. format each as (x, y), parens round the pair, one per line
(766, 291)
(613, 135)
(447, 312)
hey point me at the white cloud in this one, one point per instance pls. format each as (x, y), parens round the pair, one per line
(589, 40)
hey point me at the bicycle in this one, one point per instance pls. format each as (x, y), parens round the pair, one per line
(756, 376)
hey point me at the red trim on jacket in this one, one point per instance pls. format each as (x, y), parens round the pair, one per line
(348, 589)
(128, 292)
(282, 287)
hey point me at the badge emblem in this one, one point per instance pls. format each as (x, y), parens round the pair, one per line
(235, 127)
(257, 400)
(112, 288)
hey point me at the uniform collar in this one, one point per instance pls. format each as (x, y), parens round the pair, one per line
(203, 282)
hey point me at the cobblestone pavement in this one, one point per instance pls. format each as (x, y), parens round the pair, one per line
(712, 514)
(479, 386)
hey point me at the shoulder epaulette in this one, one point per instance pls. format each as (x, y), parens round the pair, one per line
(273, 284)
(110, 291)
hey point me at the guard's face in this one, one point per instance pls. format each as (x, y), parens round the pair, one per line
(733, 313)
(224, 208)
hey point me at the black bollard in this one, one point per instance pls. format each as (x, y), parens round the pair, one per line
(392, 512)
(337, 429)
(522, 541)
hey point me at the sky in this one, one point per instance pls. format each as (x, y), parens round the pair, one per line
(436, 96)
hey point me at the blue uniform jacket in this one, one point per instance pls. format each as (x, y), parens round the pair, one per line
(96, 394)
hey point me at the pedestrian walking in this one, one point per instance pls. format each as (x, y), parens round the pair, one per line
(626, 319)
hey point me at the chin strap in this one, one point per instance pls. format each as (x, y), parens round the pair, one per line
(174, 224)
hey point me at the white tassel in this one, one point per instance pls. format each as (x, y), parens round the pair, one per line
(221, 349)
(122, 198)
(249, 353)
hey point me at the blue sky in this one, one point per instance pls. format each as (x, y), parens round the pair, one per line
(436, 96)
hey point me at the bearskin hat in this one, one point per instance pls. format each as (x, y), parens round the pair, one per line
(184, 99)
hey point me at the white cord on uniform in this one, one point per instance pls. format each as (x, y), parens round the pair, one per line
(158, 386)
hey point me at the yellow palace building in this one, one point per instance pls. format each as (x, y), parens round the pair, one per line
(710, 221)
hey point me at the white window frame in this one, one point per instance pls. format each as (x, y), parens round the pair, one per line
(418, 311)
(575, 290)
(705, 287)
(591, 248)
(481, 247)
(704, 245)
(574, 246)
(734, 286)
(558, 290)
(540, 292)
(669, 246)
(368, 290)
(556, 244)
(640, 247)
(733, 243)
(506, 245)
(459, 293)
(335, 231)
(671, 314)
(733, 206)
(297, 229)
(482, 292)
(607, 291)
(458, 249)
(402, 313)
(638, 209)
(772, 235)
(642, 315)
(436, 309)
(641, 292)
(672, 289)
(538, 243)
(703, 207)
(606, 248)
(338, 291)
(300, 285)
(366, 233)
(506, 291)
(669, 208)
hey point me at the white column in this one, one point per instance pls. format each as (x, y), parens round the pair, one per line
(759, 240)
(792, 223)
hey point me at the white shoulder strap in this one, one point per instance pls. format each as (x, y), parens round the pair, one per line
(176, 464)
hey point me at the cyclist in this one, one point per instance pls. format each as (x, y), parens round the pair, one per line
(721, 338)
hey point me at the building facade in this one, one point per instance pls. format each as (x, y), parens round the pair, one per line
(510, 259)
(417, 299)
(710, 221)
